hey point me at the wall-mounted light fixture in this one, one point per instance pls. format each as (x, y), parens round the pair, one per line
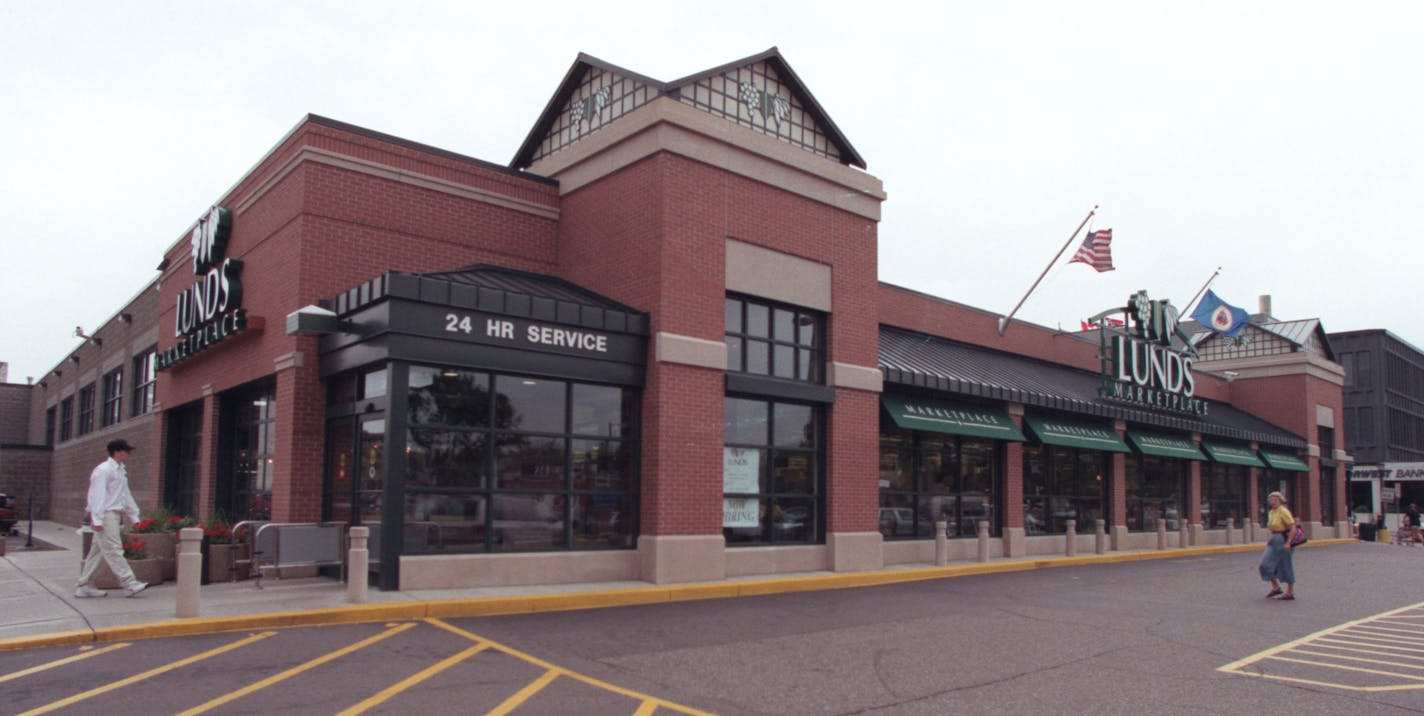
(79, 333)
(125, 318)
(314, 321)
(74, 360)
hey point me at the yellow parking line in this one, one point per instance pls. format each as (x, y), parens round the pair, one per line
(1374, 643)
(61, 662)
(1403, 633)
(1325, 644)
(385, 694)
(646, 709)
(662, 703)
(1356, 658)
(150, 673)
(523, 694)
(300, 668)
(1348, 668)
(1335, 631)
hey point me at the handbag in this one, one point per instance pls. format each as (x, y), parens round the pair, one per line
(1297, 537)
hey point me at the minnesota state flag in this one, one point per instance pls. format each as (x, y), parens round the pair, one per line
(1221, 316)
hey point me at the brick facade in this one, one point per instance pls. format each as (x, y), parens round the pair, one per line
(643, 216)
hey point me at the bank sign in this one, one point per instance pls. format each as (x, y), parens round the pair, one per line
(209, 310)
(1140, 363)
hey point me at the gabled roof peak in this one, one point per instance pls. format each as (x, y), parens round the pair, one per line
(760, 92)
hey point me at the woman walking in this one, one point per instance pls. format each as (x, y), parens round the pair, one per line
(1276, 566)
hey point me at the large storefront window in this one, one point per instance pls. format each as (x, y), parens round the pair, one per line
(1155, 486)
(771, 477)
(1223, 495)
(1273, 480)
(1061, 484)
(1326, 437)
(508, 463)
(184, 458)
(928, 477)
(249, 417)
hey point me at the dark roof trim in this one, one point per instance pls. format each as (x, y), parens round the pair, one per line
(524, 157)
(443, 153)
(589, 311)
(913, 373)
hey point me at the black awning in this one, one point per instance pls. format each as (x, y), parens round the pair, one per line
(937, 364)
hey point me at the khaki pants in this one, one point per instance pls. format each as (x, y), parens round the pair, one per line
(109, 547)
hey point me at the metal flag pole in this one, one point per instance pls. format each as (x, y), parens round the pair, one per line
(1187, 310)
(1004, 322)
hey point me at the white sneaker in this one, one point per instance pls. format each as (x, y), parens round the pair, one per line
(135, 589)
(86, 592)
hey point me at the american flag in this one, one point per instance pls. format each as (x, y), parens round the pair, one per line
(1095, 251)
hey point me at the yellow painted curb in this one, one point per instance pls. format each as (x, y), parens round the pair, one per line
(571, 601)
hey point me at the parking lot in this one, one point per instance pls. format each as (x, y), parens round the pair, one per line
(1187, 634)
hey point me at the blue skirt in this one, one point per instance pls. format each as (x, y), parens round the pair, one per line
(1276, 562)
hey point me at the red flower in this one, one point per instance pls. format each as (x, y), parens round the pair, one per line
(144, 526)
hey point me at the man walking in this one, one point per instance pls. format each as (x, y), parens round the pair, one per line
(109, 502)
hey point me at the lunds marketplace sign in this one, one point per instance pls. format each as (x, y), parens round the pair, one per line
(1140, 363)
(210, 310)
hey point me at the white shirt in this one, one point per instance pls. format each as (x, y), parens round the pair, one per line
(109, 491)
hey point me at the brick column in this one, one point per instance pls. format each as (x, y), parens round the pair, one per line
(1117, 487)
(852, 481)
(1014, 536)
(301, 407)
(1194, 493)
(205, 501)
(1253, 494)
(680, 528)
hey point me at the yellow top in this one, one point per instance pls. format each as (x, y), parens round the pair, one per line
(1281, 520)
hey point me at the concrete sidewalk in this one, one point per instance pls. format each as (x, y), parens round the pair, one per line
(39, 608)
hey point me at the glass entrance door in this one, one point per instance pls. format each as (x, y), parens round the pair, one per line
(356, 461)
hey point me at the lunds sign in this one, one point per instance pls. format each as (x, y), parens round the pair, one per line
(210, 310)
(1141, 365)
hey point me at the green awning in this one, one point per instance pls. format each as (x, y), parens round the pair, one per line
(955, 418)
(1073, 433)
(1284, 461)
(1165, 445)
(1232, 453)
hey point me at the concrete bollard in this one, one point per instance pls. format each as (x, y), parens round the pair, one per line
(1161, 534)
(1071, 548)
(190, 571)
(1230, 531)
(1245, 531)
(1184, 536)
(941, 543)
(358, 564)
(983, 533)
(1251, 525)
(1100, 536)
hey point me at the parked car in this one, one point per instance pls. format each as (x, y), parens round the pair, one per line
(7, 514)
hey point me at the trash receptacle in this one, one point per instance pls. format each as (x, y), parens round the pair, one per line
(1367, 532)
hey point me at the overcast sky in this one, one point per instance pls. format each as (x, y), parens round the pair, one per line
(1281, 141)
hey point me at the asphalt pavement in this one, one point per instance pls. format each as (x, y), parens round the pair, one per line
(39, 607)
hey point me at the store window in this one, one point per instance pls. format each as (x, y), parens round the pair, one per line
(250, 432)
(506, 463)
(49, 426)
(66, 419)
(771, 477)
(927, 477)
(86, 410)
(1270, 480)
(184, 461)
(771, 339)
(1223, 495)
(1063, 483)
(144, 380)
(1327, 475)
(1155, 489)
(113, 397)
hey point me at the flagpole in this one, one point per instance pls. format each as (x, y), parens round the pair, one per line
(1187, 311)
(1004, 322)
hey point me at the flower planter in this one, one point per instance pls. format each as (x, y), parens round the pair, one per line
(220, 561)
(148, 571)
(162, 547)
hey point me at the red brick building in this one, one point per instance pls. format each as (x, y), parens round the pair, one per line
(654, 346)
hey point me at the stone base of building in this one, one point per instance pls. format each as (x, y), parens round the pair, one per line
(673, 559)
(509, 570)
(856, 551)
